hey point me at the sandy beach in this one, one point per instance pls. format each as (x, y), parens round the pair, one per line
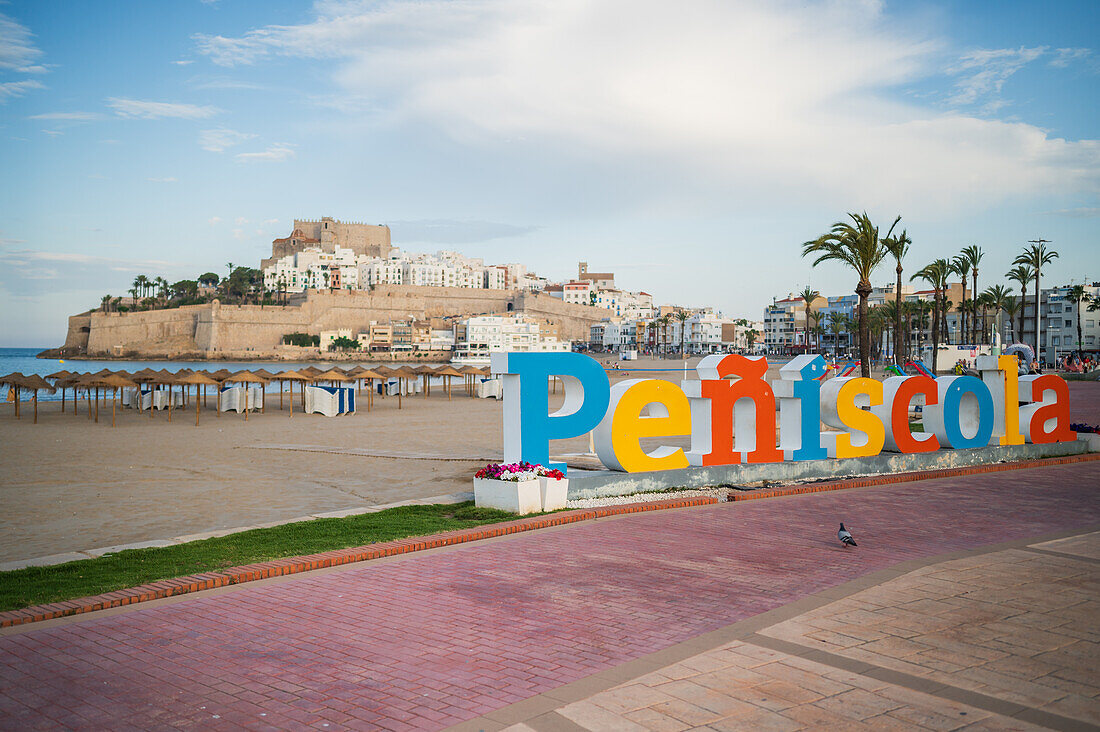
(69, 484)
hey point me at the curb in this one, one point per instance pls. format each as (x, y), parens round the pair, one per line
(909, 477)
(292, 565)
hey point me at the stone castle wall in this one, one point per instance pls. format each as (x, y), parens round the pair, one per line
(216, 330)
(366, 239)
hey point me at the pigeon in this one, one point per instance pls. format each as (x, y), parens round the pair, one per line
(845, 537)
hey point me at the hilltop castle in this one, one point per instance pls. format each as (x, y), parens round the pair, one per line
(373, 241)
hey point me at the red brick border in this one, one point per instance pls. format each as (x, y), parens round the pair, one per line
(908, 477)
(292, 565)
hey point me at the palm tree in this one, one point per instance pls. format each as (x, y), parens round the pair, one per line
(808, 296)
(1078, 296)
(1011, 307)
(973, 256)
(1035, 257)
(1022, 274)
(898, 247)
(981, 302)
(664, 320)
(105, 304)
(750, 337)
(682, 317)
(141, 283)
(997, 296)
(858, 245)
(818, 329)
(163, 289)
(960, 265)
(228, 266)
(837, 323)
(936, 274)
(921, 312)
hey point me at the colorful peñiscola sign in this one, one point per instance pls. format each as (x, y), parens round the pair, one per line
(730, 411)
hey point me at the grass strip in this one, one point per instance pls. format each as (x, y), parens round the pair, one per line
(36, 585)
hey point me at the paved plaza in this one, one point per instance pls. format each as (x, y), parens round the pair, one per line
(433, 639)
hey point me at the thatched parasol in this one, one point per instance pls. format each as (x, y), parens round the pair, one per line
(15, 381)
(72, 381)
(448, 371)
(334, 375)
(116, 382)
(56, 377)
(470, 373)
(402, 373)
(427, 372)
(36, 383)
(197, 380)
(363, 373)
(247, 377)
(292, 376)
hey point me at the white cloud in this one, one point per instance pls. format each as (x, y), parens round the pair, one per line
(13, 89)
(277, 153)
(984, 72)
(221, 84)
(140, 109)
(1063, 57)
(23, 257)
(185, 62)
(67, 116)
(214, 220)
(739, 100)
(53, 133)
(241, 221)
(220, 140)
(1084, 212)
(17, 49)
(162, 180)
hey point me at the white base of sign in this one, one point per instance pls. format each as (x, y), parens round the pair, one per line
(515, 496)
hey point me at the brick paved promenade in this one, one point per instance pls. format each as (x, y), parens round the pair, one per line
(430, 639)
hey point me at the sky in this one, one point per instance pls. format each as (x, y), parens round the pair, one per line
(688, 147)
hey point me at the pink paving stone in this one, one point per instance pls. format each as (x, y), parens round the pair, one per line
(398, 644)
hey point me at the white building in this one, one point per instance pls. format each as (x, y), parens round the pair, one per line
(577, 292)
(495, 278)
(477, 337)
(314, 269)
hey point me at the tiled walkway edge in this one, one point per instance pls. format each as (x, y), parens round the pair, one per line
(292, 565)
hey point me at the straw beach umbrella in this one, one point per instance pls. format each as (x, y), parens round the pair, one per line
(56, 377)
(448, 371)
(292, 376)
(426, 372)
(247, 377)
(367, 374)
(386, 372)
(14, 381)
(402, 373)
(197, 380)
(336, 376)
(36, 383)
(115, 382)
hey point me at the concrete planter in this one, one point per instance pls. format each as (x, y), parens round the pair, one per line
(553, 492)
(516, 496)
